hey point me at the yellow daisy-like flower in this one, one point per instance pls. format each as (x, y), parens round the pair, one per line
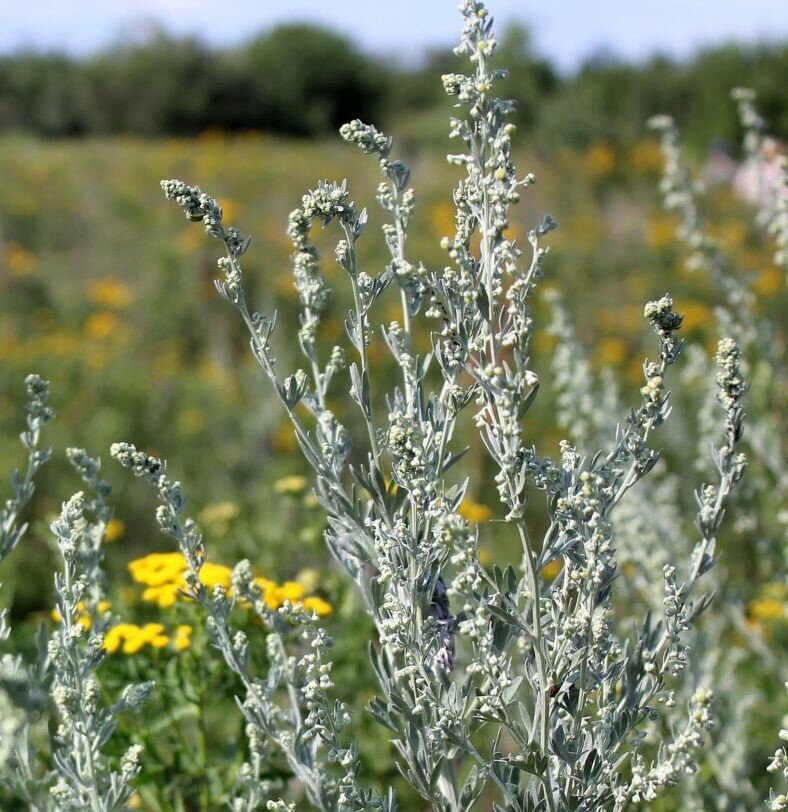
(157, 568)
(164, 596)
(130, 638)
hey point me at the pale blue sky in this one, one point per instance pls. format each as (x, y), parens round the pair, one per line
(566, 30)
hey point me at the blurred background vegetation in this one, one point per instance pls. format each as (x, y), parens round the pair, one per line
(108, 293)
(304, 80)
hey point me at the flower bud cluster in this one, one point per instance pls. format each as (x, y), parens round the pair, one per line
(75, 650)
(197, 206)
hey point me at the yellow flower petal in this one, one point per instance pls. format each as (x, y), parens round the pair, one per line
(289, 591)
(114, 530)
(160, 641)
(317, 605)
(133, 644)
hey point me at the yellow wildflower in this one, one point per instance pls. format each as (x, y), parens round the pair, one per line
(612, 351)
(83, 618)
(769, 282)
(117, 634)
(474, 511)
(291, 485)
(131, 638)
(288, 591)
(317, 605)
(215, 575)
(164, 596)
(646, 157)
(162, 574)
(600, 160)
(157, 568)
(441, 216)
(20, 261)
(110, 293)
(102, 324)
(768, 609)
(115, 530)
(183, 638)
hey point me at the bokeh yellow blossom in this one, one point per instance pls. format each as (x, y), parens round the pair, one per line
(768, 609)
(600, 160)
(131, 638)
(291, 485)
(164, 595)
(115, 530)
(20, 261)
(317, 605)
(183, 637)
(83, 617)
(771, 605)
(102, 324)
(289, 591)
(474, 511)
(111, 294)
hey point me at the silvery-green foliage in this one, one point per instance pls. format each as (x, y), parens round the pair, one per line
(773, 213)
(762, 349)
(778, 766)
(306, 727)
(83, 774)
(645, 524)
(490, 682)
(725, 785)
(681, 195)
(39, 413)
(21, 687)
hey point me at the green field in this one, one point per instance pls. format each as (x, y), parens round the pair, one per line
(107, 292)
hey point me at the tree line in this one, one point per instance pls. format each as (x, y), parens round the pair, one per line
(304, 80)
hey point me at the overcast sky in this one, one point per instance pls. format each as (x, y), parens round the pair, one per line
(565, 30)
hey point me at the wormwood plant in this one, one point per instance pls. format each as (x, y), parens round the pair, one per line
(509, 687)
(496, 683)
